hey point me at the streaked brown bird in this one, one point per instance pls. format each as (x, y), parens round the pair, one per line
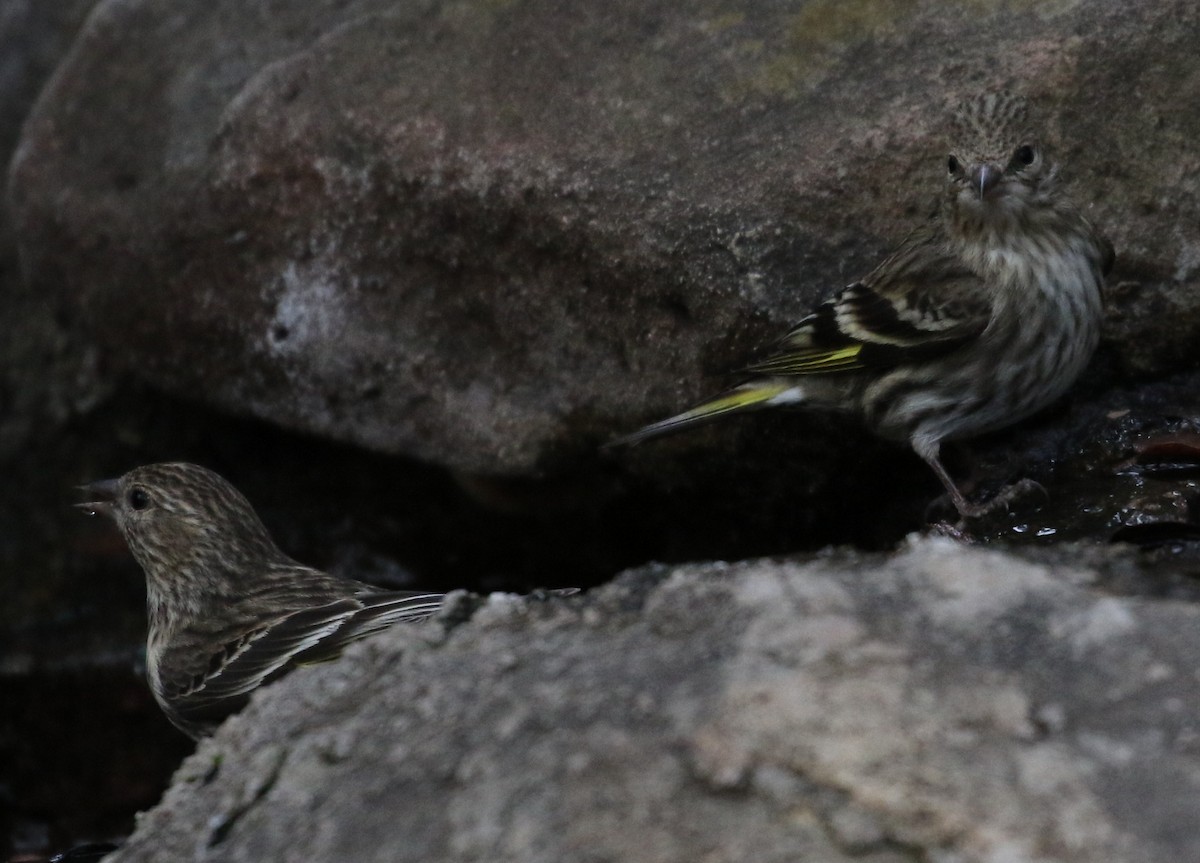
(980, 318)
(228, 611)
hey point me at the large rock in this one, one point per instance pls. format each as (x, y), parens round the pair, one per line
(46, 371)
(492, 234)
(943, 704)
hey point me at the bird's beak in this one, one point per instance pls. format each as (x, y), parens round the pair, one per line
(103, 494)
(984, 178)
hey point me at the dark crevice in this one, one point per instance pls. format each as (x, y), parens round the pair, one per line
(223, 823)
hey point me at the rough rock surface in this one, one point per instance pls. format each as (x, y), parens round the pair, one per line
(490, 234)
(946, 703)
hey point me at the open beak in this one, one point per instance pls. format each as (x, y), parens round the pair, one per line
(103, 494)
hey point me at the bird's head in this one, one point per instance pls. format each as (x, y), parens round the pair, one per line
(996, 169)
(181, 519)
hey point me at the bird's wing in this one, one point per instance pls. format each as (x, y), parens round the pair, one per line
(302, 637)
(920, 302)
(378, 611)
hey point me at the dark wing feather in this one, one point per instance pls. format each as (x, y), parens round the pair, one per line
(920, 302)
(303, 637)
(378, 612)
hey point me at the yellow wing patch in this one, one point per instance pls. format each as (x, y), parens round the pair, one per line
(810, 362)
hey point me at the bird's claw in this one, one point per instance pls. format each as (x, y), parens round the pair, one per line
(968, 511)
(1003, 499)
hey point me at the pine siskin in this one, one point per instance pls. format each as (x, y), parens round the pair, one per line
(229, 611)
(981, 317)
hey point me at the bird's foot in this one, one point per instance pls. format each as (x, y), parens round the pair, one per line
(938, 510)
(1002, 500)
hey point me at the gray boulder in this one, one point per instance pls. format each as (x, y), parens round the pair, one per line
(490, 235)
(945, 703)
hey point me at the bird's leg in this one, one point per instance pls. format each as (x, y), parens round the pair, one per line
(965, 508)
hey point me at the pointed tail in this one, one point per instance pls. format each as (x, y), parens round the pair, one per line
(748, 396)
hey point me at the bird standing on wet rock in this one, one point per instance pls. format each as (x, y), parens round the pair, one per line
(980, 318)
(228, 611)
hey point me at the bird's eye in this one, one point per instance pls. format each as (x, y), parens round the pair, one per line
(138, 499)
(952, 165)
(1024, 154)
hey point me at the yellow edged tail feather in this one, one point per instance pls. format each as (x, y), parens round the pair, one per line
(746, 397)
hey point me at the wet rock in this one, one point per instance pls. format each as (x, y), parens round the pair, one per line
(491, 235)
(939, 703)
(1117, 465)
